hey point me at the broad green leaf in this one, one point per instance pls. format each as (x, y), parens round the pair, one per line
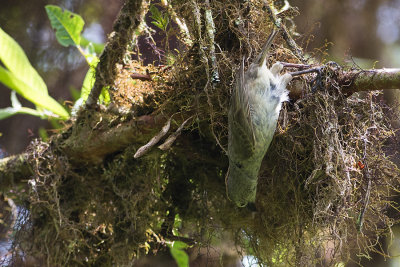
(179, 254)
(40, 99)
(88, 83)
(68, 25)
(15, 60)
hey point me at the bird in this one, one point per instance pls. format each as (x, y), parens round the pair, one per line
(254, 108)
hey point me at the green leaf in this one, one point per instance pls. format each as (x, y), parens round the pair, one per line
(161, 20)
(17, 109)
(105, 96)
(55, 124)
(68, 25)
(7, 112)
(155, 13)
(90, 55)
(14, 100)
(43, 134)
(98, 47)
(74, 93)
(21, 77)
(88, 83)
(40, 99)
(179, 254)
(15, 60)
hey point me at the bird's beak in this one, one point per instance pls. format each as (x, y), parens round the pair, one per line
(264, 53)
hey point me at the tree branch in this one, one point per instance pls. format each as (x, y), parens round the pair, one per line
(349, 81)
(369, 80)
(13, 169)
(128, 20)
(93, 143)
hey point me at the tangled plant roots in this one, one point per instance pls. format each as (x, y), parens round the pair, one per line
(96, 217)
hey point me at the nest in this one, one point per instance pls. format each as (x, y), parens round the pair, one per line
(325, 192)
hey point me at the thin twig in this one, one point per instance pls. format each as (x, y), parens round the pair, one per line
(285, 33)
(143, 149)
(171, 139)
(210, 30)
(367, 175)
(294, 65)
(301, 72)
(187, 39)
(142, 77)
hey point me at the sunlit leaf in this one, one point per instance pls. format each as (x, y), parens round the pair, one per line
(7, 112)
(17, 109)
(105, 96)
(68, 25)
(40, 99)
(14, 100)
(88, 83)
(179, 254)
(14, 59)
(10, 111)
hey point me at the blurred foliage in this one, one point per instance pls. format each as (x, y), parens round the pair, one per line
(21, 77)
(60, 67)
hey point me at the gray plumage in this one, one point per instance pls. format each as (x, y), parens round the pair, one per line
(253, 114)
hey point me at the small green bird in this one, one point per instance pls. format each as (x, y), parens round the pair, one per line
(253, 114)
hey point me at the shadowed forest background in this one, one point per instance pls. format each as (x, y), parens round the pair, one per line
(364, 33)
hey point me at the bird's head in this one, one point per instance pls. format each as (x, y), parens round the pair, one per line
(241, 189)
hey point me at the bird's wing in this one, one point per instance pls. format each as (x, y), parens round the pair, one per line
(241, 125)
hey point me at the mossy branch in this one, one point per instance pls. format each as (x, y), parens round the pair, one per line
(92, 145)
(369, 80)
(129, 18)
(13, 170)
(351, 81)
